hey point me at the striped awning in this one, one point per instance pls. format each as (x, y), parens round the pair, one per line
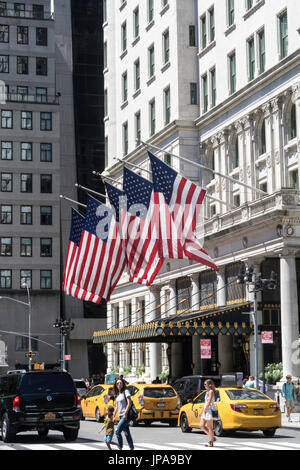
(219, 321)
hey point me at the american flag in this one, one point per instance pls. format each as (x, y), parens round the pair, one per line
(77, 225)
(184, 199)
(101, 258)
(135, 212)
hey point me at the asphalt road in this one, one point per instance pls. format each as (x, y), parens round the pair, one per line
(157, 437)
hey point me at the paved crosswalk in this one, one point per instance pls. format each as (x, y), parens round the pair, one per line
(238, 445)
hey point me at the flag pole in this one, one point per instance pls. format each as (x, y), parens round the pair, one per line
(149, 172)
(199, 165)
(72, 200)
(79, 186)
(97, 173)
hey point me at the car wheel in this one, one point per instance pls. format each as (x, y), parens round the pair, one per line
(218, 428)
(184, 423)
(43, 433)
(70, 434)
(147, 422)
(8, 434)
(269, 432)
(98, 415)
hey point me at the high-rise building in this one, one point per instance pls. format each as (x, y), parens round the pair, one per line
(218, 84)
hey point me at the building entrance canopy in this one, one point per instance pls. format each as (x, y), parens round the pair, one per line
(227, 320)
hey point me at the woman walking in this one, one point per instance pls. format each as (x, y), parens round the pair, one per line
(123, 404)
(206, 415)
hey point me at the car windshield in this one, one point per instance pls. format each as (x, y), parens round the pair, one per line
(159, 392)
(41, 383)
(246, 394)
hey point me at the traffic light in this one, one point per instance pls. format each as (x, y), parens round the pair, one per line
(272, 282)
(30, 355)
(240, 276)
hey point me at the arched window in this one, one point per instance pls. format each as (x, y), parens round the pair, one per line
(293, 122)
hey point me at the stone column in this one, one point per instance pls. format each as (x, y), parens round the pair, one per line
(195, 304)
(296, 100)
(154, 348)
(250, 297)
(173, 298)
(224, 342)
(289, 313)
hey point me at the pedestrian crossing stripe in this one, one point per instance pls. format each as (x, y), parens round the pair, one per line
(183, 446)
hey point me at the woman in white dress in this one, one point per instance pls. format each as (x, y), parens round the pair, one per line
(206, 415)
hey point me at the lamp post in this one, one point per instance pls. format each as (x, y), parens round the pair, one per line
(65, 327)
(28, 304)
(256, 284)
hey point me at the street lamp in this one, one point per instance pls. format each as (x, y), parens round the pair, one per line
(28, 304)
(65, 327)
(256, 284)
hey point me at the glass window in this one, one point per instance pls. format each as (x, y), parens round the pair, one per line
(263, 138)
(41, 95)
(5, 278)
(5, 246)
(46, 183)
(211, 24)
(22, 93)
(261, 51)
(46, 121)
(193, 93)
(136, 22)
(152, 117)
(151, 61)
(159, 392)
(22, 35)
(137, 81)
(230, 12)
(138, 128)
(26, 151)
(4, 64)
(125, 138)
(232, 73)
(124, 86)
(26, 215)
(166, 47)
(204, 93)
(19, 9)
(283, 31)
(46, 215)
(251, 59)
(192, 35)
(46, 247)
(200, 398)
(38, 11)
(203, 32)
(5, 214)
(25, 246)
(293, 122)
(4, 33)
(167, 103)
(246, 394)
(41, 66)
(25, 278)
(6, 182)
(46, 152)
(26, 120)
(46, 279)
(6, 150)
(249, 4)
(124, 36)
(22, 65)
(26, 182)
(150, 10)
(22, 343)
(6, 119)
(213, 87)
(294, 179)
(41, 36)
(3, 11)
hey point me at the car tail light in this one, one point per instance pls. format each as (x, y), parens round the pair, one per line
(238, 407)
(78, 400)
(16, 403)
(141, 400)
(275, 407)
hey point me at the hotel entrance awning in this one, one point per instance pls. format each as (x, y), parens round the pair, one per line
(228, 320)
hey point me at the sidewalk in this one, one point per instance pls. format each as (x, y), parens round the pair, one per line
(295, 424)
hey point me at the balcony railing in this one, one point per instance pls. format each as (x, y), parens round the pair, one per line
(29, 14)
(20, 98)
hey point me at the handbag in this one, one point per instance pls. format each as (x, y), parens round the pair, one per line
(132, 413)
(215, 414)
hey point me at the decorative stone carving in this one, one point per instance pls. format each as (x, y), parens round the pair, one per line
(269, 161)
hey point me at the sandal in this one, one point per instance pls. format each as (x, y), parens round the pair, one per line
(210, 444)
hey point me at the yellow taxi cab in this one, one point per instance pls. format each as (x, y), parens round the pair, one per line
(95, 402)
(238, 408)
(155, 402)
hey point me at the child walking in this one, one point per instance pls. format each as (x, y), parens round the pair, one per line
(109, 427)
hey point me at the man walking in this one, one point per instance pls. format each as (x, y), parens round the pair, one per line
(289, 396)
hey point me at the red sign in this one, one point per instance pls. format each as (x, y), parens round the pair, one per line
(205, 349)
(267, 337)
(67, 357)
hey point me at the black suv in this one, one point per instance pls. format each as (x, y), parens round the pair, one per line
(40, 401)
(189, 387)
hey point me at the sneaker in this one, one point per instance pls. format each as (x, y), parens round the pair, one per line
(289, 419)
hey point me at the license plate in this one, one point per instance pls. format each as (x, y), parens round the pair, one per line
(50, 416)
(161, 405)
(258, 412)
